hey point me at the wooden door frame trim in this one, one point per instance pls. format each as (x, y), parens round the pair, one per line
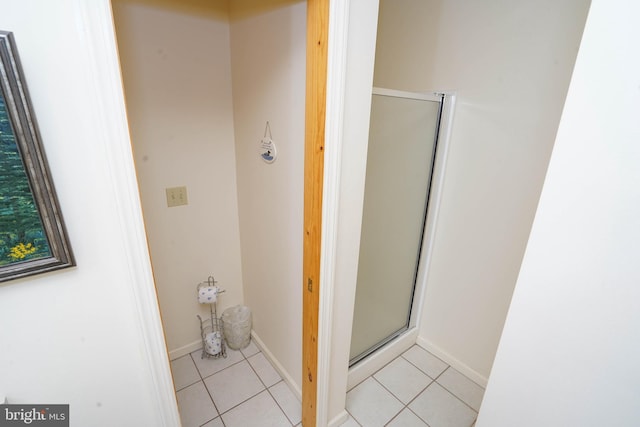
(315, 111)
(335, 101)
(332, 97)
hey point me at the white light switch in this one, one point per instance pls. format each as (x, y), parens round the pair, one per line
(176, 196)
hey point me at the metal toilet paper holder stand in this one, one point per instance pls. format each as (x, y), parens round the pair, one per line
(212, 323)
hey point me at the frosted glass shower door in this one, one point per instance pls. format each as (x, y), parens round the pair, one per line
(402, 142)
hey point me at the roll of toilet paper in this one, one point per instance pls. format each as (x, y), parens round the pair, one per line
(207, 294)
(213, 343)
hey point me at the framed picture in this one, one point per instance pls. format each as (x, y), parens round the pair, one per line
(33, 239)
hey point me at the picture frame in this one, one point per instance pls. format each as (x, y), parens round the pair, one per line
(33, 238)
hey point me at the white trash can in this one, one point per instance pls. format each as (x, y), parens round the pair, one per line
(236, 324)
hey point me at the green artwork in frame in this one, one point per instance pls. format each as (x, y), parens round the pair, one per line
(22, 235)
(32, 235)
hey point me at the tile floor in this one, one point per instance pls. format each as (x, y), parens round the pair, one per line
(241, 390)
(244, 390)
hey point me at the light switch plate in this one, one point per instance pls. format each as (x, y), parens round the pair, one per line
(176, 196)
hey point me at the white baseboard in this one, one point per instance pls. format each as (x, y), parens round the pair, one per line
(186, 349)
(339, 419)
(453, 362)
(276, 364)
(369, 365)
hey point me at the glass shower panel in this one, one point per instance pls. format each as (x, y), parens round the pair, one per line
(402, 140)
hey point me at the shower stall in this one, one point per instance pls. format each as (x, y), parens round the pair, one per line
(406, 151)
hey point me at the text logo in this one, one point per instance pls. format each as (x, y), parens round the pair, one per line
(34, 415)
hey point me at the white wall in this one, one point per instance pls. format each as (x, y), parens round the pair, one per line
(268, 54)
(176, 65)
(510, 64)
(351, 120)
(191, 125)
(570, 350)
(75, 336)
